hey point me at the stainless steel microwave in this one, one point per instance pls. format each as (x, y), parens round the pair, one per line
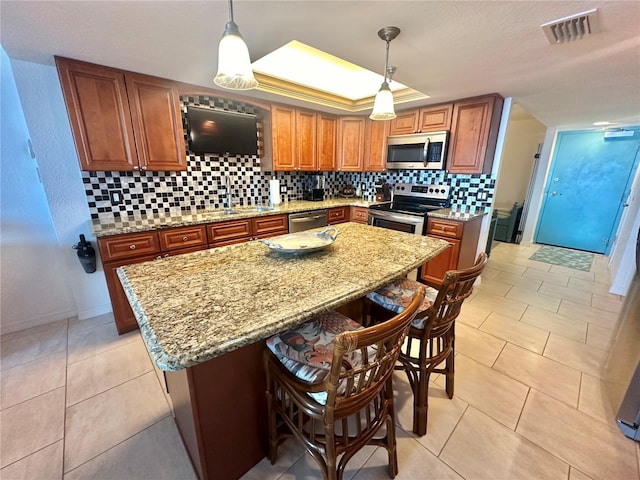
(419, 151)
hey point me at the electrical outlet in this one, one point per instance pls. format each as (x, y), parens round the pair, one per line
(115, 196)
(482, 195)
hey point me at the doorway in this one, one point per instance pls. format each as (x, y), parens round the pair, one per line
(589, 180)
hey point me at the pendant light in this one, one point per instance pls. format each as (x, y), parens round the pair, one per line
(234, 64)
(383, 104)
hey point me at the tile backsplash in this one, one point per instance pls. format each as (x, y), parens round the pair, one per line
(201, 186)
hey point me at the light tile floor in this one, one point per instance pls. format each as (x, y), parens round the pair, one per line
(80, 402)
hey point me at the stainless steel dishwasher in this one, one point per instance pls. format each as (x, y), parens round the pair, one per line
(306, 220)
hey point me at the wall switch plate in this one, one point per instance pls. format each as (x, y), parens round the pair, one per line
(116, 197)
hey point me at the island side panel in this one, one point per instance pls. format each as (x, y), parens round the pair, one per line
(228, 424)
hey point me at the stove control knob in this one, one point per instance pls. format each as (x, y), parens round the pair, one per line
(431, 190)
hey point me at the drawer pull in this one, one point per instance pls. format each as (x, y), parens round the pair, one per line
(132, 247)
(185, 238)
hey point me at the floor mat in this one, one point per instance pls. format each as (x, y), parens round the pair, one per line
(563, 256)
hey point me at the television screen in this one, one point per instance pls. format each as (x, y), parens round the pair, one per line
(217, 131)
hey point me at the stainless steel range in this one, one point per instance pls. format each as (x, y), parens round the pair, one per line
(410, 205)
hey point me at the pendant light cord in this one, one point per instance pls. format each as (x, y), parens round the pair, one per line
(231, 10)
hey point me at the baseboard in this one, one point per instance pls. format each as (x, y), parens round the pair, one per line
(35, 322)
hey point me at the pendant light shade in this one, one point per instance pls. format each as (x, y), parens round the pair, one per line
(383, 104)
(234, 64)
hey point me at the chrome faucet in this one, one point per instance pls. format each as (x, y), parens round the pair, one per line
(229, 208)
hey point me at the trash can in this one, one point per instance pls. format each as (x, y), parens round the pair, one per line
(492, 232)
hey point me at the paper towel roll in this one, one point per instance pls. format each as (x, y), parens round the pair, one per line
(274, 191)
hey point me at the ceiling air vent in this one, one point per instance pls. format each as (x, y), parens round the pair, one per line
(574, 27)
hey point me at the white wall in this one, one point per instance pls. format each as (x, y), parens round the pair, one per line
(521, 144)
(46, 116)
(33, 284)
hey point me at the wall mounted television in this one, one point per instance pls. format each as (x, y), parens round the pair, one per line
(222, 132)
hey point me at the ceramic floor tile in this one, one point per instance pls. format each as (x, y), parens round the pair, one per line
(553, 378)
(108, 369)
(575, 474)
(475, 344)
(580, 356)
(550, 277)
(608, 303)
(516, 332)
(600, 337)
(45, 464)
(414, 462)
(472, 314)
(289, 453)
(524, 295)
(31, 426)
(583, 313)
(495, 303)
(77, 325)
(31, 379)
(481, 448)
(519, 280)
(495, 287)
(443, 415)
(103, 421)
(85, 342)
(596, 449)
(588, 286)
(507, 266)
(556, 323)
(600, 399)
(32, 346)
(490, 391)
(42, 330)
(489, 273)
(155, 453)
(532, 264)
(570, 293)
(308, 468)
(572, 272)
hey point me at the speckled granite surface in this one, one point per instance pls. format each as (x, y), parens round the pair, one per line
(132, 225)
(460, 215)
(196, 306)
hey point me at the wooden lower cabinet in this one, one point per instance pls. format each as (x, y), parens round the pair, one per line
(238, 231)
(337, 215)
(360, 215)
(122, 313)
(463, 244)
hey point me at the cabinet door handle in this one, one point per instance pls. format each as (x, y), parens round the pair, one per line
(132, 247)
(143, 168)
(136, 167)
(185, 238)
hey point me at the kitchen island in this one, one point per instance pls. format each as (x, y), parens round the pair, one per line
(204, 317)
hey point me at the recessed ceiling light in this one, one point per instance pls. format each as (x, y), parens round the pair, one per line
(300, 71)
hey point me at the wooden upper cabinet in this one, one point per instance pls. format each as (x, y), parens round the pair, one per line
(474, 134)
(351, 144)
(326, 142)
(405, 123)
(435, 118)
(157, 123)
(122, 120)
(283, 131)
(375, 146)
(97, 104)
(306, 149)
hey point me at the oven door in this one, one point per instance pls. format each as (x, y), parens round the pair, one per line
(397, 221)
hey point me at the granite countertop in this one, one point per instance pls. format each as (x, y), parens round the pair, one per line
(462, 215)
(154, 222)
(194, 307)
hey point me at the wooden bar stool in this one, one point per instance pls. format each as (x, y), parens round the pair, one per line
(329, 384)
(431, 338)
